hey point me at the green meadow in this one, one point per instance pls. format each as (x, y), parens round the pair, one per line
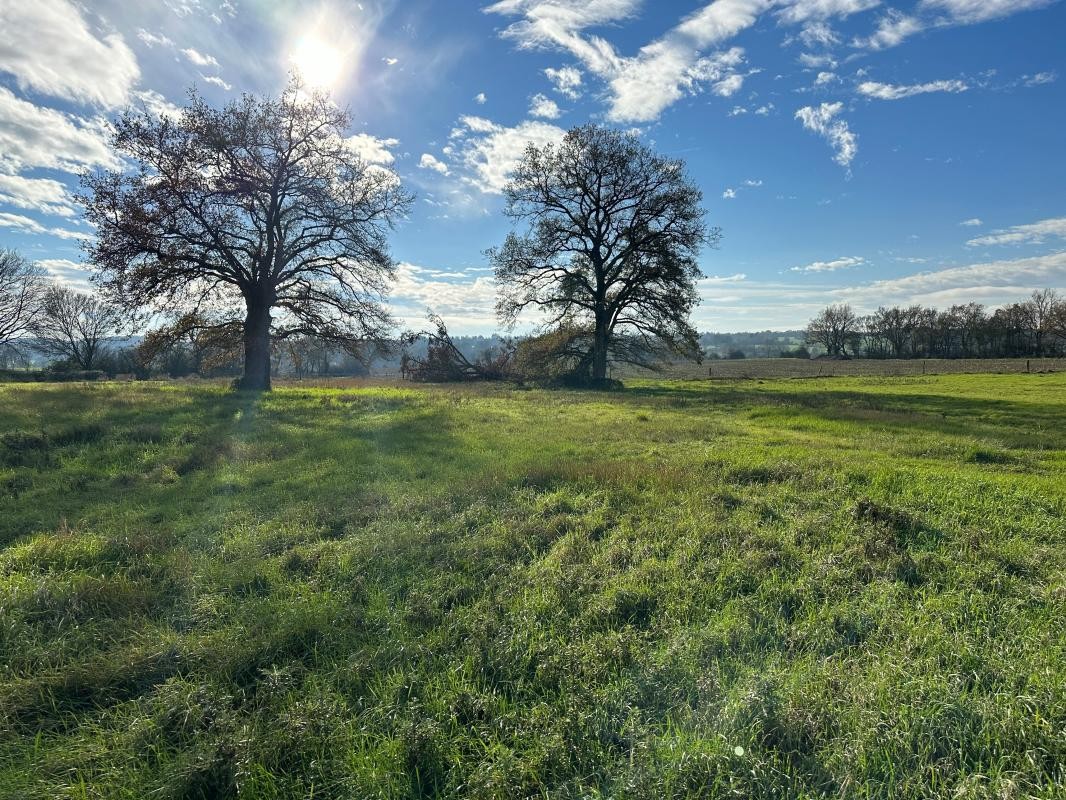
(844, 587)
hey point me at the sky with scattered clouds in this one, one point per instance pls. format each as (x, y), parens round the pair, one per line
(867, 151)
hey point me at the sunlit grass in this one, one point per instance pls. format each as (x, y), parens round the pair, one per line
(846, 587)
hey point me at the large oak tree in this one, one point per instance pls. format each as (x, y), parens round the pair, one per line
(613, 231)
(259, 212)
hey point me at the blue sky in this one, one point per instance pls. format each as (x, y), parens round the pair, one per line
(851, 150)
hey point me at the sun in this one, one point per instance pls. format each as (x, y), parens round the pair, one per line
(318, 62)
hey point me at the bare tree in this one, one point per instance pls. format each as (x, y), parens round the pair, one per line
(971, 321)
(1057, 323)
(613, 234)
(1040, 312)
(74, 326)
(836, 328)
(22, 289)
(261, 206)
(896, 326)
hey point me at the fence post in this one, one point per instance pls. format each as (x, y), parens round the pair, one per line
(1027, 365)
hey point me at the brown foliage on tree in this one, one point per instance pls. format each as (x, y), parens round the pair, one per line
(260, 211)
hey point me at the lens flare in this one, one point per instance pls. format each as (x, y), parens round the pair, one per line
(318, 62)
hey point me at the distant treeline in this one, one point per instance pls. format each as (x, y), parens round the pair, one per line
(1034, 328)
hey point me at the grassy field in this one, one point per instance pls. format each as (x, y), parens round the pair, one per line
(748, 368)
(849, 587)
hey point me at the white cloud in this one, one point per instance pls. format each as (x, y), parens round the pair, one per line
(1040, 78)
(467, 304)
(475, 124)
(566, 80)
(729, 194)
(1034, 233)
(757, 305)
(752, 183)
(544, 107)
(893, 28)
(198, 58)
(765, 110)
(31, 136)
(822, 120)
(800, 11)
(671, 67)
(30, 226)
(818, 34)
(825, 78)
(429, 161)
(372, 149)
(155, 103)
(831, 266)
(480, 98)
(489, 152)
(967, 12)
(391, 62)
(67, 272)
(47, 46)
(559, 23)
(37, 194)
(888, 91)
(817, 61)
(729, 86)
(737, 111)
(215, 80)
(153, 39)
(677, 64)
(661, 73)
(990, 282)
(972, 223)
(896, 26)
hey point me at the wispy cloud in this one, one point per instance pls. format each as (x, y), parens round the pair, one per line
(49, 47)
(888, 91)
(895, 26)
(824, 121)
(1033, 233)
(33, 136)
(26, 225)
(831, 266)
(198, 58)
(38, 194)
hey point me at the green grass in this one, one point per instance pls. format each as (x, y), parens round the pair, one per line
(824, 588)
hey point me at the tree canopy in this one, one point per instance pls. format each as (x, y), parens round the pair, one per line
(231, 214)
(613, 231)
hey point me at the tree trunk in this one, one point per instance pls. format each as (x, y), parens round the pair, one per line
(599, 354)
(256, 348)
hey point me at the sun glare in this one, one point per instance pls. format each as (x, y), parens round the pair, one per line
(319, 63)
